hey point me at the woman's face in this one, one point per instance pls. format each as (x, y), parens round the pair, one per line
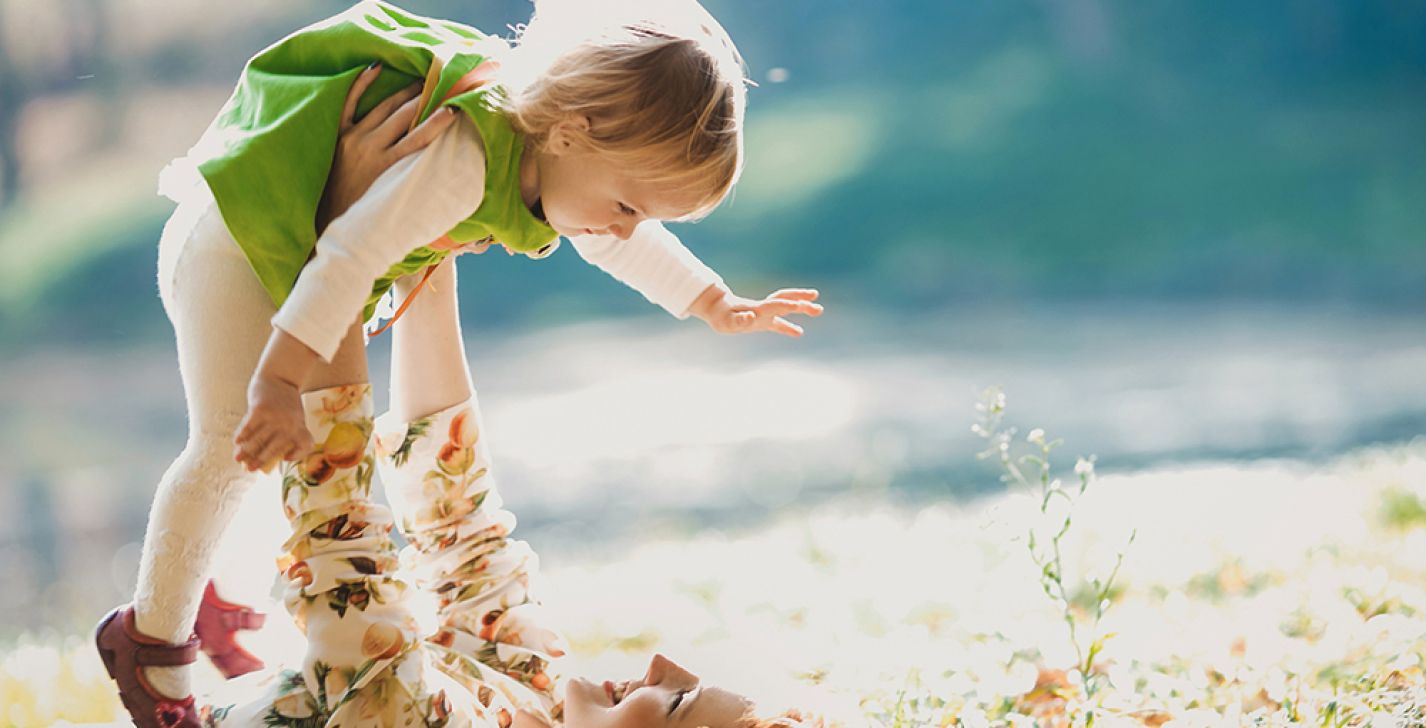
(667, 696)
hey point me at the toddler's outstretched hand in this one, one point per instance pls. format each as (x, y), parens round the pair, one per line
(727, 313)
(275, 427)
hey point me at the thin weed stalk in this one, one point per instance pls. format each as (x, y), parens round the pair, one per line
(1033, 472)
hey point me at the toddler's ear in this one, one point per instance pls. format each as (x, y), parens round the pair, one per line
(569, 134)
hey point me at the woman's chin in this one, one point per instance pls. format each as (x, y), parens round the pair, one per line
(580, 690)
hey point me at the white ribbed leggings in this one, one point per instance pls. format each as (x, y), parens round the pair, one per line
(221, 320)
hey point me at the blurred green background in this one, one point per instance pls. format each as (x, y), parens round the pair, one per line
(1173, 231)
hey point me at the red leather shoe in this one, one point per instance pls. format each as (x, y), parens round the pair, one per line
(126, 652)
(217, 622)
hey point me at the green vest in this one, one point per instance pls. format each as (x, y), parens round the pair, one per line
(274, 139)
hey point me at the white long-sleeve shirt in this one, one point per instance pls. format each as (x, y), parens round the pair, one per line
(419, 199)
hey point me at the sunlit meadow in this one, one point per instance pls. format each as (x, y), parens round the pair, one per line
(1265, 594)
(1185, 237)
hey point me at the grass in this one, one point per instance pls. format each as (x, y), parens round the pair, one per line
(44, 682)
(1261, 593)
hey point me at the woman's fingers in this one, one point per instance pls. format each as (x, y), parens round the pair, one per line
(383, 110)
(359, 86)
(425, 133)
(395, 125)
(476, 248)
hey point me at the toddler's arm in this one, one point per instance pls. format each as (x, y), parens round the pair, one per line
(655, 263)
(414, 202)
(410, 204)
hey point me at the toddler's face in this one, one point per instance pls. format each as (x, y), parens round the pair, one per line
(583, 193)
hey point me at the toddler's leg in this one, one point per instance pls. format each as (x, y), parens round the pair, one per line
(243, 561)
(435, 468)
(220, 316)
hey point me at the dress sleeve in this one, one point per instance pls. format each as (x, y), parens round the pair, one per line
(653, 262)
(414, 202)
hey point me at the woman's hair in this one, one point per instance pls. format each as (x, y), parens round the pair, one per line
(792, 718)
(661, 82)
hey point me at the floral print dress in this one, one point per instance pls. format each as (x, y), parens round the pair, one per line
(369, 662)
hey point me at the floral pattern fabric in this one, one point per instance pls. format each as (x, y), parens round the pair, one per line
(492, 634)
(369, 662)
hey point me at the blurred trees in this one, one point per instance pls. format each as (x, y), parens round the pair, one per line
(53, 48)
(11, 101)
(946, 151)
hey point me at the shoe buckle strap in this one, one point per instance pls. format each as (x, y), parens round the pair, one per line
(166, 655)
(244, 618)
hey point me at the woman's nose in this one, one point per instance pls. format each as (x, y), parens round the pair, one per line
(662, 669)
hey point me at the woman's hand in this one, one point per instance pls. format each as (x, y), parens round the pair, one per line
(369, 147)
(730, 314)
(275, 427)
(458, 249)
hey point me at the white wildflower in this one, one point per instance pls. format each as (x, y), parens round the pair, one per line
(1084, 467)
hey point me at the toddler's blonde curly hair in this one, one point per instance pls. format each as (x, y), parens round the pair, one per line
(662, 82)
